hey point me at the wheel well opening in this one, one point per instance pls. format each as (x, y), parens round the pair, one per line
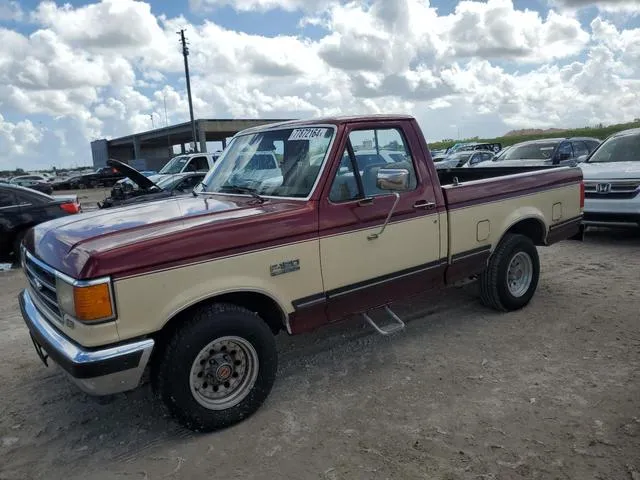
(264, 306)
(530, 227)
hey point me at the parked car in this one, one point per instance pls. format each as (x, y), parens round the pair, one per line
(190, 162)
(102, 177)
(21, 208)
(35, 182)
(146, 189)
(548, 151)
(195, 287)
(612, 182)
(491, 147)
(465, 158)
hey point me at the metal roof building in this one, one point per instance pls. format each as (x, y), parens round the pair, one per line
(150, 150)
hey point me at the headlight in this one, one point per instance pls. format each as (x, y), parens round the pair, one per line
(86, 303)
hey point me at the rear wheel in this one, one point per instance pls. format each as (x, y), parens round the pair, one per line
(511, 278)
(218, 367)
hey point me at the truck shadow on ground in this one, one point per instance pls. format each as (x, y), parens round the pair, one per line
(125, 427)
(613, 236)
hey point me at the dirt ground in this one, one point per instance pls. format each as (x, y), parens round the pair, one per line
(549, 392)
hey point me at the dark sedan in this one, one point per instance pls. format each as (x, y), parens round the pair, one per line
(21, 208)
(547, 152)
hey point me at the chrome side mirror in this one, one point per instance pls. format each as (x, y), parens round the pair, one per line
(393, 179)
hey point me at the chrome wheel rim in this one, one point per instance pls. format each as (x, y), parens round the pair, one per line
(223, 373)
(519, 274)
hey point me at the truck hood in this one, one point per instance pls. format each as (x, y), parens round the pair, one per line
(610, 170)
(166, 232)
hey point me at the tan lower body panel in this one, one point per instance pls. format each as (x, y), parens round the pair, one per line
(497, 217)
(147, 302)
(349, 258)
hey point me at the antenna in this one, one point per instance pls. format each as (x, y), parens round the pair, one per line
(185, 54)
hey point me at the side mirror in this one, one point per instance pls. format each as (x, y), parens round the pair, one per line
(393, 179)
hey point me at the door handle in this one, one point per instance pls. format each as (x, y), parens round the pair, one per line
(424, 204)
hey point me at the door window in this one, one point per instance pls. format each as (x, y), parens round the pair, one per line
(579, 148)
(7, 199)
(564, 151)
(199, 164)
(373, 149)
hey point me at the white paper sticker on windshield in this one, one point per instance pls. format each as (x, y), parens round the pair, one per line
(307, 133)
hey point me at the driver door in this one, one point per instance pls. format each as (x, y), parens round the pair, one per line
(361, 271)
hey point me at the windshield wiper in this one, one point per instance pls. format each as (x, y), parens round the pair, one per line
(240, 189)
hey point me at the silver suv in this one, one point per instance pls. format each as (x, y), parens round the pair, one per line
(612, 182)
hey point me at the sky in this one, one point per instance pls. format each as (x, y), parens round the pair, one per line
(78, 71)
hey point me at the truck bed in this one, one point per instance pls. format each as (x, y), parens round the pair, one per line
(485, 185)
(447, 176)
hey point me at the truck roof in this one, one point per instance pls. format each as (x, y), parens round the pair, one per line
(335, 120)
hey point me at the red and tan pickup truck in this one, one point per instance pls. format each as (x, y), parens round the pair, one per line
(193, 289)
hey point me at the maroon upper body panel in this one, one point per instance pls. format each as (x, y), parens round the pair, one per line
(139, 238)
(499, 188)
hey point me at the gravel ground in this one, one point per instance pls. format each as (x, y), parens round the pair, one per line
(549, 392)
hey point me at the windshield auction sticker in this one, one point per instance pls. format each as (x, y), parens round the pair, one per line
(307, 133)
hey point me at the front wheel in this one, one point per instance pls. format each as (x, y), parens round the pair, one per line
(511, 278)
(218, 367)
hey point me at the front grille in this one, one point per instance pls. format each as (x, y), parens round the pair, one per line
(42, 285)
(612, 189)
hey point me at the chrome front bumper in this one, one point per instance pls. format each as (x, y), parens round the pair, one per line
(104, 371)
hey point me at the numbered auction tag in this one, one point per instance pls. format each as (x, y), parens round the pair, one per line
(307, 133)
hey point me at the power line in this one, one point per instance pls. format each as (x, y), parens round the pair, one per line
(185, 54)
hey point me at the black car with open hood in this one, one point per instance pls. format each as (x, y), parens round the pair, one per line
(137, 188)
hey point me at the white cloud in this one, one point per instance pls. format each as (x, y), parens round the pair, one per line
(260, 5)
(17, 138)
(10, 11)
(612, 6)
(484, 67)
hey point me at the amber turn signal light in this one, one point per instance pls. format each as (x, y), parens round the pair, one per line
(93, 303)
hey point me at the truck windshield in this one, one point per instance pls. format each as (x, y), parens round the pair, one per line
(175, 165)
(274, 162)
(532, 151)
(618, 149)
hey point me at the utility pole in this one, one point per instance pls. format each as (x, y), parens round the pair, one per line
(166, 119)
(153, 125)
(185, 54)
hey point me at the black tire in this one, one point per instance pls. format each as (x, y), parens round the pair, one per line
(494, 289)
(171, 370)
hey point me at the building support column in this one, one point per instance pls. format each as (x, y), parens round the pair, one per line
(136, 148)
(224, 143)
(202, 136)
(182, 149)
